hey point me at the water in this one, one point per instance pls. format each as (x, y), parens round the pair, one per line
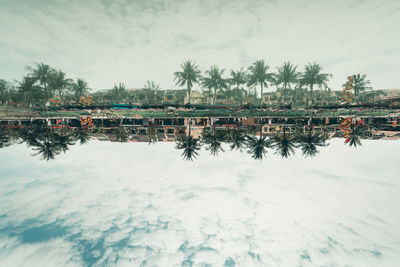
(140, 204)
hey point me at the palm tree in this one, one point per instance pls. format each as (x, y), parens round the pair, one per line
(258, 75)
(283, 143)
(189, 75)
(238, 78)
(82, 136)
(360, 84)
(257, 147)
(80, 88)
(214, 80)
(313, 76)
(42, 73)
(237, 138)
(214, 139)
(121, 135)
(309, 142)
(119, 92)
(189, 145)
(59, 82)
(286, 75)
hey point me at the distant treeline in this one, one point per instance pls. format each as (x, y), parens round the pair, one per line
(44, 85)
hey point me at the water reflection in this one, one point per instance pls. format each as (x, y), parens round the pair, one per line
(256, 136)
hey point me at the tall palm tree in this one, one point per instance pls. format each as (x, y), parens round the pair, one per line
(214, 139)
(309, 142)
(214, 80)
(80, 88)
(189, 75)
(42, 73)
(284, 143)
(59, 83)
(286, 75)
(313, 76)
(258, 75)
(360, 84)
(238, 78)
(189, 145)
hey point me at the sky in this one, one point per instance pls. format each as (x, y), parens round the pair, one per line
(132, 204)
(133, 41)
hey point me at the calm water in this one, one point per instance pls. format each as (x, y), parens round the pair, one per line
(139, 204)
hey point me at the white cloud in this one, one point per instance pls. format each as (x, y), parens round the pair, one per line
(122, 204)
(135, 41)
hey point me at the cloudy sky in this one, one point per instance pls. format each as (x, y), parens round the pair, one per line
(111, 204)
(133, 41)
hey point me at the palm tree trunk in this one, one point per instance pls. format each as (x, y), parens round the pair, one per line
(262, 89)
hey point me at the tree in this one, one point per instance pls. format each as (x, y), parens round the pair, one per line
(313, 76)
(214, 80)
(189, 145)
(42, 73)
(360, 84)
(80, 88)
(238, 78)
(258, 75)
(283, 143)
(214, 139)
(286, 75)
(4, 91)
(59, 83)
(153, 90)
(237, 138)
(309, 142)
(119, 92)
(189, 75)
(30, 92)
(257, 147)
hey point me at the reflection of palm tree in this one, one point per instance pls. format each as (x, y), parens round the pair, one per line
(214, 139)
(5, 138)
(47, 149)
(284, 144)
(82, 136)
(310, 141)
(257, 147)
(189, 145)
(354, 136)
(237, 138)
(121, 135)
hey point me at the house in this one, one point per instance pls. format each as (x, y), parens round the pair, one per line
(196, 97)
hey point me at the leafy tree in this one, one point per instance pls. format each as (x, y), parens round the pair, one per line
(286, 75)
(119, 92)
(360, 84)
(258, 75)
(238, 78)
(214, 80)
(189, 75)
(59, 83)
(313, 76)
(43, 74)
(79, 88)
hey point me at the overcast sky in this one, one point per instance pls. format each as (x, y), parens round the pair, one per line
(130, 41)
